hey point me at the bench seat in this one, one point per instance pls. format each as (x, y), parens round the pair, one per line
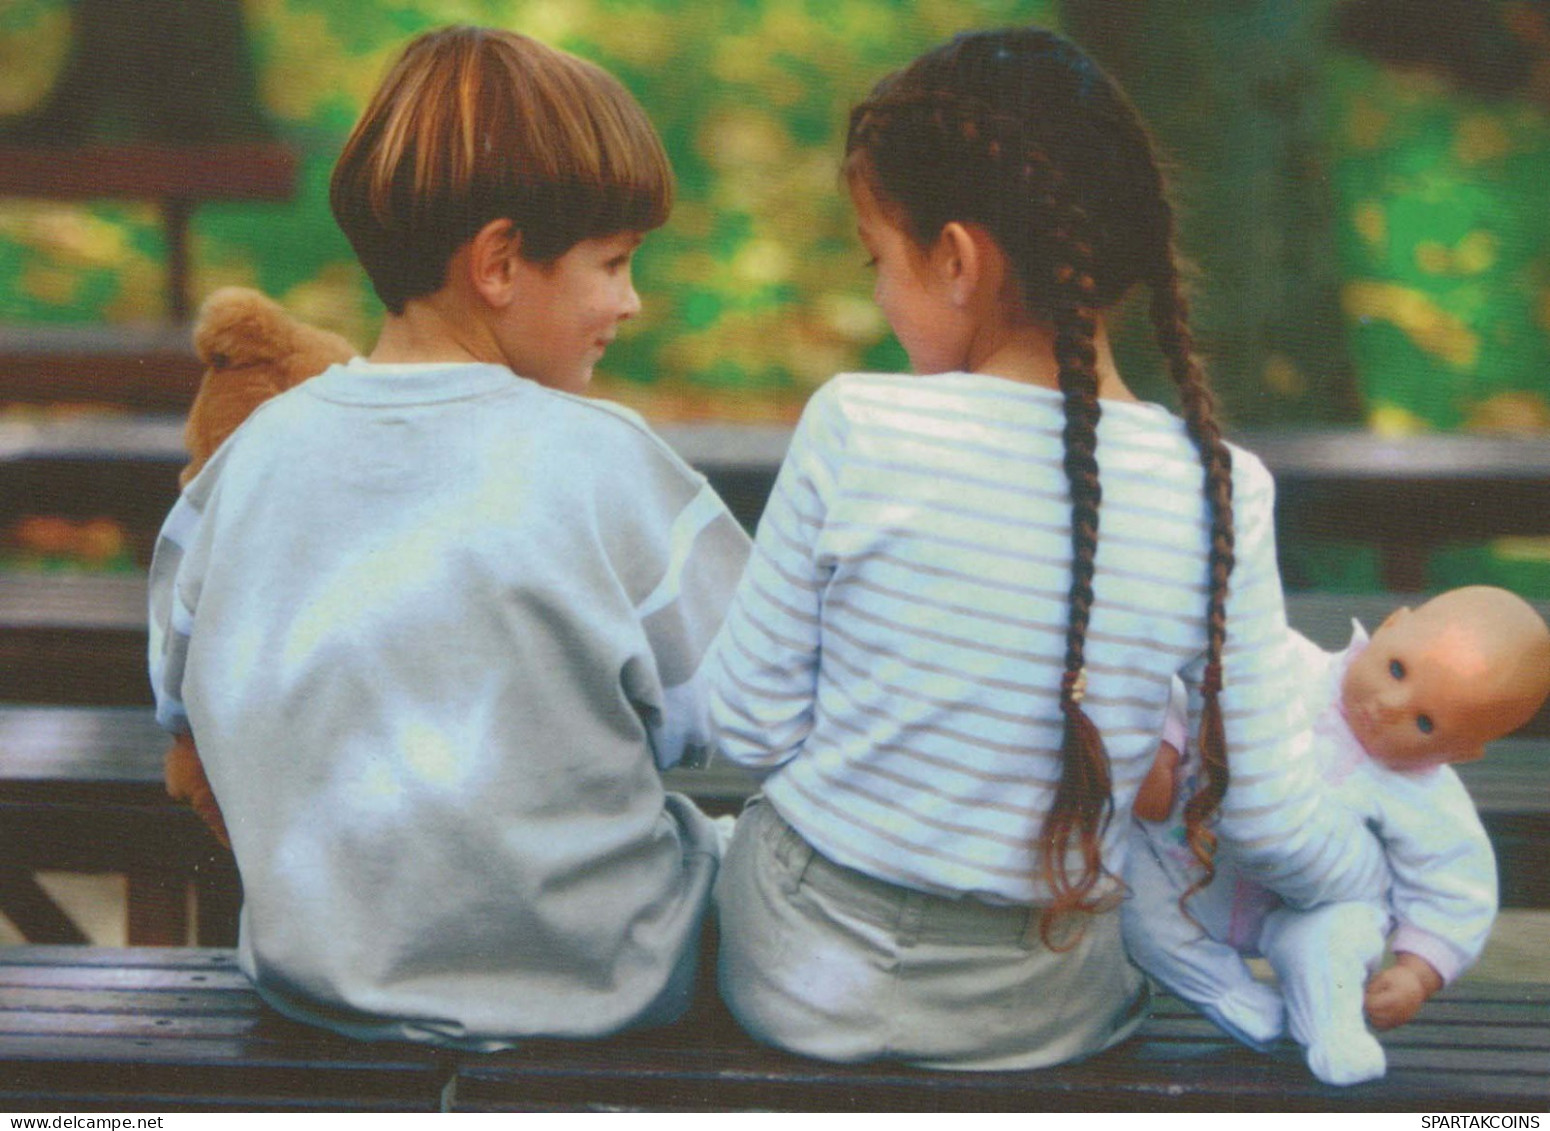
(168, 1029)
(87, 1028)
(1477, 1047)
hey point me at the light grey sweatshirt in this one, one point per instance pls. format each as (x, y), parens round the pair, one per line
(434, 631)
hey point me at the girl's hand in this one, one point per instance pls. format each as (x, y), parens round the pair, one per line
(1394, 995)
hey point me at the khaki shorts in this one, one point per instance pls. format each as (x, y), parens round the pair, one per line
(825, 961)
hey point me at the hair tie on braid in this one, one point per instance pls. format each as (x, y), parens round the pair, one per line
(1073, 688)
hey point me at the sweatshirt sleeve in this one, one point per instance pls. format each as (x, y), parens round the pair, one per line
(1444, 891)
(1275, 816)
(703, 558)
(765, 659)
(174, 585)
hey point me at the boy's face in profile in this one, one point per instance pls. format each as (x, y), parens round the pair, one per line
(568, 311)
(1414, 696)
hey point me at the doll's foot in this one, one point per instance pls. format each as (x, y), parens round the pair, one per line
(725, 825)
(1252, 1013)
(1349, 1057)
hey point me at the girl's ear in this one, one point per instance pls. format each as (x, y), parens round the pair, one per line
(967, 261)
(490, 260)
(956, 261)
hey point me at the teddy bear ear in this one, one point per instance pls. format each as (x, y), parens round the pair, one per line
(239, 326)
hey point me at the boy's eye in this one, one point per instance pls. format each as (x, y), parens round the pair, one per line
(1396, 669)
(1424, 724)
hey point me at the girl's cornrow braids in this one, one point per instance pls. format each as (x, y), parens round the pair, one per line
(1170, 320)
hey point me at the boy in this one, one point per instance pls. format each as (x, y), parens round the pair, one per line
(1432, 687)
(435, 623)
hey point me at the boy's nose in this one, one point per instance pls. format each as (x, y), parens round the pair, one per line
(631, 305)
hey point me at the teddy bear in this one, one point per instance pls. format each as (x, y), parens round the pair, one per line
(252, 349)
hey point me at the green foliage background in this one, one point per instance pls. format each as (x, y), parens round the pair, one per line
(1373, 243)
(754, 291)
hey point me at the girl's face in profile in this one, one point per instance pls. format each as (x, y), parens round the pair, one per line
(911, 295)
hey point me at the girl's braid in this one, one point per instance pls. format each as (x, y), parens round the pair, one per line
(1170, 322)
(1084, 801)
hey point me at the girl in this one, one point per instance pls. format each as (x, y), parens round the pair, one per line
(433, 621)
(952, 683)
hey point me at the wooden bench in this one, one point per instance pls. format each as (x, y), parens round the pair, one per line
(81, 791)
(1406, 496)
(168, 1029)
(87, 1029)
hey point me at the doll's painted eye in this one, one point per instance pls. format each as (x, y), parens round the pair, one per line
(1424, 724)
(1396, 669)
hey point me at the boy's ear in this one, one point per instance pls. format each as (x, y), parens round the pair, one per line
(490, 260)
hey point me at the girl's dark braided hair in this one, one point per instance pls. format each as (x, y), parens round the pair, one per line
(1018, 132)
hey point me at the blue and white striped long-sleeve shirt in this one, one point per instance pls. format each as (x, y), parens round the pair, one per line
(893, 658)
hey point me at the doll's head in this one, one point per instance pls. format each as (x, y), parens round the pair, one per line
(1438, 682)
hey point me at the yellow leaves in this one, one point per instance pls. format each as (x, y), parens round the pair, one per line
(552, 21)
(308, 67)
(1433, 330)
(1388, 419)
(1282, 376)
(738, 139)
(1371, 222)
(1522, 549)
(67, 246)
(851, 317)
(70, 236)
(763, 262)
(1481, 138)
(30, 62)
(1472, 255)
(331, 300)
(1516, 412)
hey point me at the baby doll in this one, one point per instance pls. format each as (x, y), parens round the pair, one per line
(1432, 687)
(252, 350)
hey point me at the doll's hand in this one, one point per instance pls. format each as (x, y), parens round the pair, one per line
(1394, 995)
(186, 781)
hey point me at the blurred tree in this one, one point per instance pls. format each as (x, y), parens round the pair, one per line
(1232, 91)
(152, 71)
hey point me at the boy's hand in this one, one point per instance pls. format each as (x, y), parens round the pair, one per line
(1394, 995)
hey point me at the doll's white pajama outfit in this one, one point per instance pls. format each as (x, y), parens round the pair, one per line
(1437, 895)
(435, 629)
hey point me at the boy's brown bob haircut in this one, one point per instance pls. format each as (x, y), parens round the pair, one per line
(478, 124)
